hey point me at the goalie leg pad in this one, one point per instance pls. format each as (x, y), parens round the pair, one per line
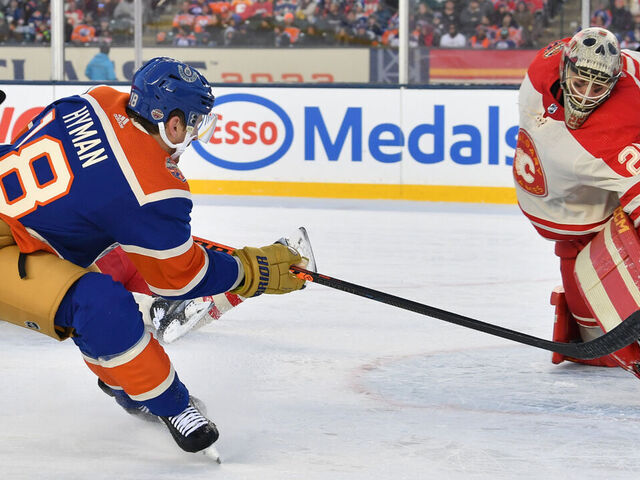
(607, 271)
(567, 328)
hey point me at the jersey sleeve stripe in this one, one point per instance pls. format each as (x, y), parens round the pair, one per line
(124, 164)
(174, 292)
(173, 276)
(160, 254)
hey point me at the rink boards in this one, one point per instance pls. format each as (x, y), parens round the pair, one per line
(428, 144)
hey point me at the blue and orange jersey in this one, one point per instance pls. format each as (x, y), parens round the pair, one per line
(83, 176)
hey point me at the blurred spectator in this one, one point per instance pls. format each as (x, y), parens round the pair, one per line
(184, 17)
(83, 33)
(72, 12)
(503, 42)
(282, 7)
(512, 27)
(621, 19)
(124, 11)
(525, 19)
(5, 32)
(361, 35)
(261, 32)
(242, 8)
(500, 11)
(629, 41)
(449, 14)
(311, 37)
(184, 37)
(486, 7)
(100, 67)
(103, 32)
(453, 38)
(262, 8)
(423, 13)
(281, 38)
(428, 35)
(290, 28)
(480, 40)
(602, 15)
(470, 17)
(635, 28)
(202, 20)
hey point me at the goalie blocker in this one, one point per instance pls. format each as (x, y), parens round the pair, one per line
(607, 271)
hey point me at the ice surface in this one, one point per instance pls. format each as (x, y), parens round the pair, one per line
(321, 384)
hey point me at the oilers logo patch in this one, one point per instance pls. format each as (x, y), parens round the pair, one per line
(174, 170)
(32, 325)
(527, 169)
(553, 48)
(187, 74)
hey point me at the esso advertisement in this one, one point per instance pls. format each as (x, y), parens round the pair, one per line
(337, 136)
(252, 132)
(388, 136)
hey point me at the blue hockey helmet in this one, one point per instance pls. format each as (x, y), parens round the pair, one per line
(163, 85)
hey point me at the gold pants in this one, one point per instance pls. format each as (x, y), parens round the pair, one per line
(32, 302)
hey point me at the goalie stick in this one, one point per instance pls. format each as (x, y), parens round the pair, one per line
(619, 337)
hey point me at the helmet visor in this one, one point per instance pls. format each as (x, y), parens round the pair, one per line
(205, 127)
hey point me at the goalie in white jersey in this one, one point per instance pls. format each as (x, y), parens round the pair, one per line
(576, 173)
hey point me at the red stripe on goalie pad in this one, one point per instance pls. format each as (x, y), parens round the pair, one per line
(607, 275)
(608, 271)
(140, 375)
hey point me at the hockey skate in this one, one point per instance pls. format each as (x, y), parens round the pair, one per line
(171, 320)
(191, 429)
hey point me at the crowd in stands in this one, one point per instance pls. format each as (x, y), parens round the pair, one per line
(479, 24)
(500, 24)
(617, 16)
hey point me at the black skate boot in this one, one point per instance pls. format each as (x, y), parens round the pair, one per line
(192, 431)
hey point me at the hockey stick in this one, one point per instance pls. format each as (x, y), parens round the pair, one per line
(619, 337)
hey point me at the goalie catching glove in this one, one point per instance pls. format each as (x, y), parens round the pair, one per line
(266, 270)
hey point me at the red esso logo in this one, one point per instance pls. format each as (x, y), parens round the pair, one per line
(233, 132)
(252, 132)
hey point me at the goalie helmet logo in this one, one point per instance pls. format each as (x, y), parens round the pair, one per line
(527, 169)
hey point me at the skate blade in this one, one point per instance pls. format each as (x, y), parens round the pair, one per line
(299, 240)
(212, 453)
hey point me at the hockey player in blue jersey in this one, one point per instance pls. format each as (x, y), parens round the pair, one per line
(99, 169)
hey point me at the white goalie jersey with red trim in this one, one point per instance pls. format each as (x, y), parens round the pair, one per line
(568, 182)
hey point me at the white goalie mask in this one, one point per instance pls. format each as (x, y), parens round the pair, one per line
(590, 67)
